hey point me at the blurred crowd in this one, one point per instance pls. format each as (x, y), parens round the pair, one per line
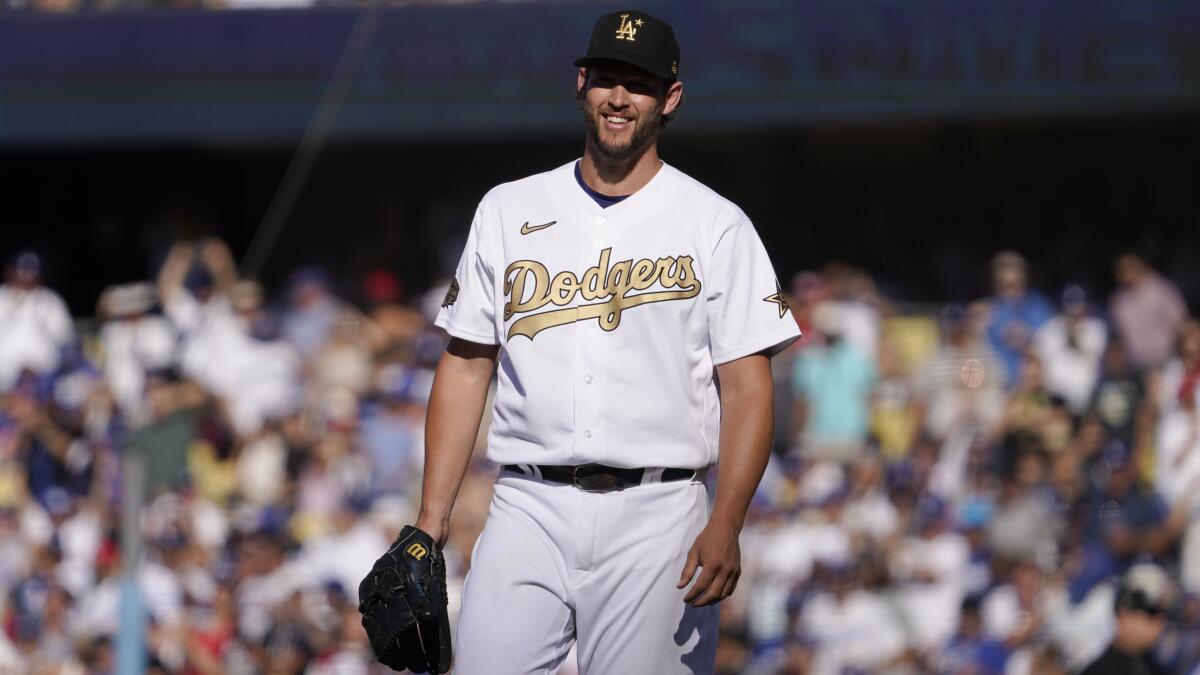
(951, 491)
(964, 493)
(278, 447)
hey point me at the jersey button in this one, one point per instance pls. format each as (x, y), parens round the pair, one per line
(599, 244)
(600, 220)
(587, 433)
(587, 378)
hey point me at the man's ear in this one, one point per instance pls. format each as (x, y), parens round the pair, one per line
(581, 81)
(674, 97)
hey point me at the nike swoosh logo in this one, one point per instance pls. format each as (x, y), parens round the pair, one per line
(526, 229)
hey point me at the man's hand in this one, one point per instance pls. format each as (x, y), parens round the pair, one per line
(719, 558)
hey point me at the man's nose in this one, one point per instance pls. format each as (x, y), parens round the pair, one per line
(618, 97)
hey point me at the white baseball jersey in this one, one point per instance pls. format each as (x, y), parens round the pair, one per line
(611, 320)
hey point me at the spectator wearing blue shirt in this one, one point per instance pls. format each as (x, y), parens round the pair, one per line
(975, 514)
(1017, 311)
(1125, 523)
(832, 383)
(970, 652)
(392, 434)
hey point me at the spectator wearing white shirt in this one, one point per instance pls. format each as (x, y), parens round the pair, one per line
(1071, 347)
(266, 580)
(1014, 613)
(193, 287)
(344, 554)
(852, 628)
(930, 566)
(778, 559)
(134, 342)
(268, 383)
(1177, 460)
(859, 305)
(1181, 373)
(37, 325)
(869, 513)
(229, 345)
(98, 610)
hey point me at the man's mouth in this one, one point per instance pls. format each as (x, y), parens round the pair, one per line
(616, 122)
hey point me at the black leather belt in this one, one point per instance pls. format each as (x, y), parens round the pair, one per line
(598, 477)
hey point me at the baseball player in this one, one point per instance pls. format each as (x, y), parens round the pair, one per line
(631, 312)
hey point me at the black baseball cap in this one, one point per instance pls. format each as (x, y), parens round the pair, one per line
(636, 38)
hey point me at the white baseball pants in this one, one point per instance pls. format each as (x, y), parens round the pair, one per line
(555, 565)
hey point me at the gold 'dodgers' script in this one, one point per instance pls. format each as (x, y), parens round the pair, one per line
(529, 287)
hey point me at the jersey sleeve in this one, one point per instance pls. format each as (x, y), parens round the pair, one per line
(469, 308)
(747, 311)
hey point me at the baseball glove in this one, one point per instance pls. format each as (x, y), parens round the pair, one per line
(403, 605)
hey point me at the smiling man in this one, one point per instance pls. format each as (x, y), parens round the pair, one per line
(614, 292)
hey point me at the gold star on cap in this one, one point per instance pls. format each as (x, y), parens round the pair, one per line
(639, 22)
(778, 298)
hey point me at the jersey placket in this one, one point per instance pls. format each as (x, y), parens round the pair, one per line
(591, 354)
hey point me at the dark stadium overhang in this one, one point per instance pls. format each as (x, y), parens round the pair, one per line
(451, 71)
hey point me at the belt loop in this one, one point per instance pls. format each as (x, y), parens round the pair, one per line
(653, 475)
(535, 471)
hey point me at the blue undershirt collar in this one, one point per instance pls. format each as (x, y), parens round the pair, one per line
(604, 201)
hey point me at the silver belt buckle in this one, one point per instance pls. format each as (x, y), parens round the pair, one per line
(589, 478)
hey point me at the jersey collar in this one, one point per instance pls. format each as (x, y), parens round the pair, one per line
(565, 192)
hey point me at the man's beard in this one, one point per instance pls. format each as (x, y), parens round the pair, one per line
(644, 129)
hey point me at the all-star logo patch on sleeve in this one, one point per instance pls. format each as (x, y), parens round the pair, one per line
(779, 299)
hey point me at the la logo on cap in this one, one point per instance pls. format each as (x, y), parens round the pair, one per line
(626, 30)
